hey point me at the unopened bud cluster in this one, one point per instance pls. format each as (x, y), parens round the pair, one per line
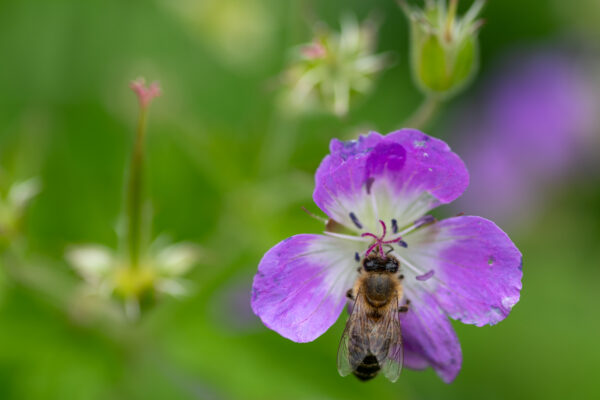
(444, 48)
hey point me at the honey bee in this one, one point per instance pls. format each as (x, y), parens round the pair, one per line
(372, 340)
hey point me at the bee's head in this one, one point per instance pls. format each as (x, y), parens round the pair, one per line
(381, 264)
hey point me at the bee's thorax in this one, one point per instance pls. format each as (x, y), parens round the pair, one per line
(379, 289)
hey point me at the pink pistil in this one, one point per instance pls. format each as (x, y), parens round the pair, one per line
(379, 240)
(145, 93)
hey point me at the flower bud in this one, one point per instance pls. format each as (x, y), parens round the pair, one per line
(444, 48)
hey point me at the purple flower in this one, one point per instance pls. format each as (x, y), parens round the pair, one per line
(464, 268)
(533, 123)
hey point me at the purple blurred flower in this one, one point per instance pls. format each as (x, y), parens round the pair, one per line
(533, 125)
(464, 268)
(231, 309)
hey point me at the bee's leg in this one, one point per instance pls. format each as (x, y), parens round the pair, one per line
(350, 295)
(404, 308)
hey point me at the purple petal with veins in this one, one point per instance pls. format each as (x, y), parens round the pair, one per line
(429, 339)
(403, 175)
(452, 259)
(299, 290)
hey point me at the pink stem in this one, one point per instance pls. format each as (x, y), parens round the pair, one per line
(384, 229)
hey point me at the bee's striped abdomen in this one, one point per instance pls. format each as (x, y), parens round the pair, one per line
(368, 369)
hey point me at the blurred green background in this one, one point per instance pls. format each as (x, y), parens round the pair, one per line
(228, 171)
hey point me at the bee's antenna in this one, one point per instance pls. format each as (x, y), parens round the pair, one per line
(390, 249)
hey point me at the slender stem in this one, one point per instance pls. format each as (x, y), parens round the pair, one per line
(424, 114)
(134, 201)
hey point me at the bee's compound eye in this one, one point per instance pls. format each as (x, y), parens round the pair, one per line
(391, 266)
(370, 265)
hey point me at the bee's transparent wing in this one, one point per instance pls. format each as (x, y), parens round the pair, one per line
(343, 362)
(391, 366)
(346, 357)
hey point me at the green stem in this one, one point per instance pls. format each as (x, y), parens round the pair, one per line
(134, 200)
(424, 114)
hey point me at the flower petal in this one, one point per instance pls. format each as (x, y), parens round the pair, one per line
(431, 166)
(177, 259)
(341, 151)
(400, 176)
(299, 289)
(93, 262)
(174, 287)
(429, 339)
(469, 264)
(20, 193)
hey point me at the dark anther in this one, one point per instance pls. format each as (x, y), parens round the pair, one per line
(426, 275)
(369, 184)
(403, 309)
(401, 276)
(403, 243)
(407, 302)
(355, 220)
(394, 226)
(357, 256)
(349, 294)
